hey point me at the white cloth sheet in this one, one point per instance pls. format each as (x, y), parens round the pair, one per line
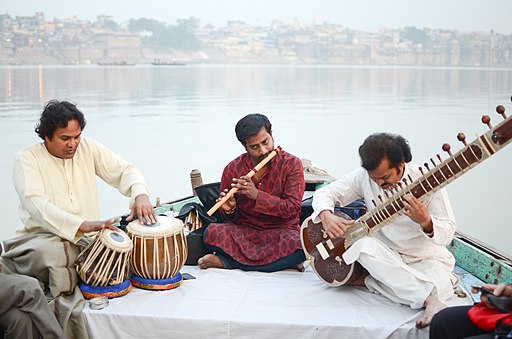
(237, 304)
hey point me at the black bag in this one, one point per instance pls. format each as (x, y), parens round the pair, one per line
(354, 210)
(208, 195)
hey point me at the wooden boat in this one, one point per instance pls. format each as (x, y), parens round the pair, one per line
(158, 62)
(234, 303)
(115, 63)
(238, 304)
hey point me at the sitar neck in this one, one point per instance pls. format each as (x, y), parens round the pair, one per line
(390, 205)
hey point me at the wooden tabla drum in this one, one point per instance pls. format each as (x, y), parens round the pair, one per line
(105, 261)
(159, 250)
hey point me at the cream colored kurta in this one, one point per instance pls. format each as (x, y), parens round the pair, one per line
(404, 263)
(58, 195)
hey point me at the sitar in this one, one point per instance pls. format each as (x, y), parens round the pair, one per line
(325, 254)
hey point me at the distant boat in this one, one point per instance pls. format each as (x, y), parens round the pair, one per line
(158, 62)
(115, 63)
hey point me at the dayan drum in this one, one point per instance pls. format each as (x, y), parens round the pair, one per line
(105, 261)
(159, 250)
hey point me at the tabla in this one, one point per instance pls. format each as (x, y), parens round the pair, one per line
(159, 250)
(105, 261)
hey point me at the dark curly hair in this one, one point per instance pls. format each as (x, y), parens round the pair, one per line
(250, 125)
(378, 146)
(57, 114)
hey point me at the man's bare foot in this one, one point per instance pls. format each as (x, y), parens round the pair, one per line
(209, 260)
(299, 267)
(432, 306)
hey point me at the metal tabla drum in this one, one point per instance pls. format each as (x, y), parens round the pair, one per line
(159, 250)
(105, 261)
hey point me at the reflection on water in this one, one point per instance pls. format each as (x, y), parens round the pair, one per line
(169, 120)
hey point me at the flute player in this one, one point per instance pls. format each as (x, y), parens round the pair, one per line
(262, 232)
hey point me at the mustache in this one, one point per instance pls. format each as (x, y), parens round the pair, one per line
(388, 186)
(261, 157)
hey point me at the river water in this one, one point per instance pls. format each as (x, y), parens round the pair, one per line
(169, 120)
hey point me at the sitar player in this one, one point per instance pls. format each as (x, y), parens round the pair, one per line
(406, 260)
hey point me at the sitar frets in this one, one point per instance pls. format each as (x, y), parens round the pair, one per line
(447, 171)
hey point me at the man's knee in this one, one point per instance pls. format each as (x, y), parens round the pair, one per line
(33, 287)
(17, 324)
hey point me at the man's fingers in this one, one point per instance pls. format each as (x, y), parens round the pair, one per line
(130, 217)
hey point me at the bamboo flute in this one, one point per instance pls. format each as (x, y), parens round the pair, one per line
(250, 174)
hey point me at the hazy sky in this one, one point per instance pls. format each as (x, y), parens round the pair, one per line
(369, 15)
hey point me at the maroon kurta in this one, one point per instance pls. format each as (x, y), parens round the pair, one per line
(267, 228)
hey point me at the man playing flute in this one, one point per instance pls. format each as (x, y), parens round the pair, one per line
(262, 232)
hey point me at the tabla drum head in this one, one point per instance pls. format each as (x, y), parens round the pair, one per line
(163, 227)
(117, 240)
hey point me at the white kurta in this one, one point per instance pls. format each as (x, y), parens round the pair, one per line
(404, 264)
(58, 195)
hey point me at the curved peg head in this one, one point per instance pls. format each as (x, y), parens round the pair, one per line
(501, 110)
(487, 120)
(462, 138)
(446, 148)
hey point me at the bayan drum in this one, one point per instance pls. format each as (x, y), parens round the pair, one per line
(105, 261)
(159, 250)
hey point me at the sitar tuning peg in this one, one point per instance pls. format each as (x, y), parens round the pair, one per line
(439, 158)
(426, 166)
(501, 110)
(487, 120)
(446, 148)
(462, 138)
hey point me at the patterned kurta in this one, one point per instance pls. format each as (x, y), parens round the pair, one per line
(266, 229)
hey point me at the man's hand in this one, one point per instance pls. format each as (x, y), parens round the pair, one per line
(497, 290)
(143, 209)
(230, 204)
(503, 289)
(92, 226)
(245, 187)
(333, 225)
(418, 212)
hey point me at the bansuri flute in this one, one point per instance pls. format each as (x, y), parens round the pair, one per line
(250, 174)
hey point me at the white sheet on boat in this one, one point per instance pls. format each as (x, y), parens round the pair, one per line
(237, 304)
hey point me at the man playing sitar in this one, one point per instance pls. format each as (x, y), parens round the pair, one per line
(406, 261)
